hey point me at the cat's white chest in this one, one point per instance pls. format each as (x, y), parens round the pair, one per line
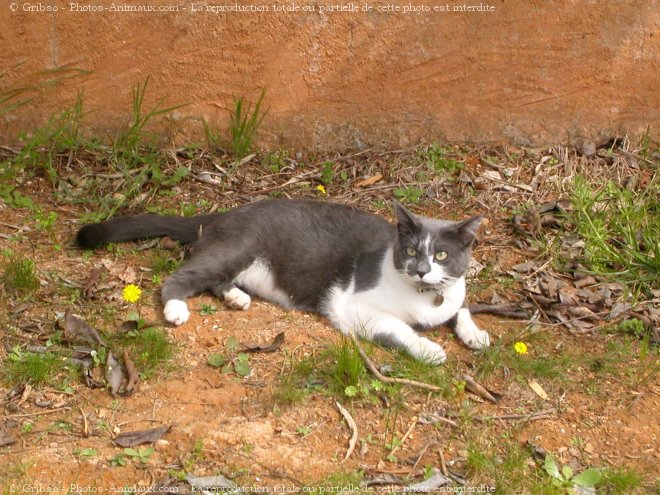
(394, 296)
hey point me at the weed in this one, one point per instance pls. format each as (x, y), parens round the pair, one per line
(162, 262)
(275, 161)
(141, 455)
(152, 347)
(208, 310)
(566, 478)
(19, 275)
(346, 368)
(409, 194)
(295, 385)
(244, 121)
(619, 481)
(620, 229)
(87, 453)
(30, 367)
(435, 157)
(237, 362)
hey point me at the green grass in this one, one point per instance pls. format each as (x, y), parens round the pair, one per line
(30, 367)
(504, 464)
(621, 229)
(19, 275)
(436, 157)
(151, 349)
(621, 481)
(162, 262)
(244, 121)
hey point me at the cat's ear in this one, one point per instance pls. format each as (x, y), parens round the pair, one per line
(467, 229)
(406, 222)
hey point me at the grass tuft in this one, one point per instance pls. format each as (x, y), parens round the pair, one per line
(19, 275)
(621, 229)
(30, 367)
(244, 121)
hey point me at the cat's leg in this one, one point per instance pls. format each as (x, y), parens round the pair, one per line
(198, 274)
(233, 296)
(468, 331)
(389, 331)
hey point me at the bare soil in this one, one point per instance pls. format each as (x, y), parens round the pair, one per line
(224, 424)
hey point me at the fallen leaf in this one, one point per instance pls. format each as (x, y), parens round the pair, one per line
(354, 430)
(113, 374)
(369, 181)
(7, 433)
(583, 313)
(272, 347)
(76, 329)
(479, 390)
(139, 437)
(525, 267)
(90, 282)
(133, 376)
(431, 484)
(538, 389)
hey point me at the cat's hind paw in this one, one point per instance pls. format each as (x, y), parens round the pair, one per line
(237, 299)
(176, 312)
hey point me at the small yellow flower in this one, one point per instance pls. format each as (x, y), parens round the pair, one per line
(131, 293)
(520, 347)
(321, 189)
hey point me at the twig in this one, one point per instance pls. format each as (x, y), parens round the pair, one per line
(354, 430)
(443, 464)
(421, 454)
(405, 437)
(85, 423)
(40, 413)
(389, 379)
(545, 414)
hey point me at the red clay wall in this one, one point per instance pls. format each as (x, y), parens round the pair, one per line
(529, 72)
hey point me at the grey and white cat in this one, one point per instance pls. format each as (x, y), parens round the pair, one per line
(366, 275)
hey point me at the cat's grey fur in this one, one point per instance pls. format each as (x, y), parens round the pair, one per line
(365, 274)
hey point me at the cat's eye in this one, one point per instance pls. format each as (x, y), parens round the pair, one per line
(441, 255)
(411, 251)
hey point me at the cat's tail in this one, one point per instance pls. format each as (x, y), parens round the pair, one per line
(129, 228)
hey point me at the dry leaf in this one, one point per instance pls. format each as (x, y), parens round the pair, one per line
(7, 433)
(133, 438)
(90, 282)
(431, 484)
(478, 389)
(272, 347)
(354, 430)
(133, 376)
(113, 374)
(76, 329)
(369, 181)
(538, 389)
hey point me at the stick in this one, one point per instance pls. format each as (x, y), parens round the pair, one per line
(354, 430)
(389, 379)
(405, 437)
(547, 413)
(26, 415)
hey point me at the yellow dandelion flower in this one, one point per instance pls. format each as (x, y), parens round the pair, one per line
(131, 293)
(321, 188)
(520, 347)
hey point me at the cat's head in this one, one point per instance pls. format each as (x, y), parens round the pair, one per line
(433, 253)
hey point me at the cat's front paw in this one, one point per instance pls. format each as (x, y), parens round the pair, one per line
(430, 352)
(176, 312)
(237, 299)
(469, 332)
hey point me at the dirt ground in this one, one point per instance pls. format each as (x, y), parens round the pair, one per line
(225, 424)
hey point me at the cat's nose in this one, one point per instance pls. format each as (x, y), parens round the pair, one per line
(423, 270)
